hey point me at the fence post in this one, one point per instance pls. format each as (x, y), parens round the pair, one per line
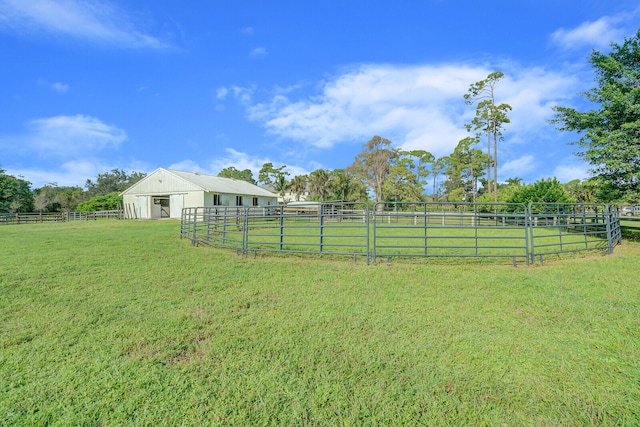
(529, 224)
(281, 237)
(607, 214)
(375, 226)
(245, 232)
(194, 237)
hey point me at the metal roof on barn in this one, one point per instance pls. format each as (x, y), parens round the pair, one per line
(168, 181)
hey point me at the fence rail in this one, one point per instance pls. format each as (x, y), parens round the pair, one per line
(32, 218)
(562, 228)
(389, 230)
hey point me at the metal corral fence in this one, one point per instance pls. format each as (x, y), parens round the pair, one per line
(327, 228)
(31, 218)
(491, 230)
(560, 228)
(451, 230)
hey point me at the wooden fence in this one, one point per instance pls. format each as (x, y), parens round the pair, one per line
(35, 217)
(630, 227)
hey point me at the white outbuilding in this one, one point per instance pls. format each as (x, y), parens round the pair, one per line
(164, 192)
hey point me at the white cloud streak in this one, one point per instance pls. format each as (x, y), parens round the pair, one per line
(60, 87)
(65, 137)
(417, 107)
(92, 20)
(258, 52)
(56, 86)
(571, 170)
(595, 34)
(517, 167)
(239, 160)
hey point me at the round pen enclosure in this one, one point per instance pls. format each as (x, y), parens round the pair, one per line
(516, 232)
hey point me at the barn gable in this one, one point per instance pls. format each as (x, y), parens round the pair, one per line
(162, 181)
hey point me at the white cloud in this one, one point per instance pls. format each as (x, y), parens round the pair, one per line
(258, 52)
(247, 31)
(417, 107)
(56, 87)
(596, 34)
(66, 137)
(238, 160)
(96, 21)
(221, 93)
(571, 170)
(242, 94)
(60, 87)
(532, 93)
(189, 166)
(518, 167)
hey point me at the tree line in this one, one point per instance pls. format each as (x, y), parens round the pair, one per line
(609, 142)
(102, 194)
(383, 173)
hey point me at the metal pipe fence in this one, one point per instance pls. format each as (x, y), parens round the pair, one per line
(450, 230)
(563, 228)
(481, 230)
(330, 228)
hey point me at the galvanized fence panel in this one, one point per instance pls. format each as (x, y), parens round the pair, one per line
(328, 228)
(219, 226)
(566, 227)
(403, 229)
(490, 230)
(332, 228)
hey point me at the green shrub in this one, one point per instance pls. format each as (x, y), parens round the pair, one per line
(542, 191)
(101, 203)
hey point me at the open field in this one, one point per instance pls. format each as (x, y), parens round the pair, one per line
(122, 323)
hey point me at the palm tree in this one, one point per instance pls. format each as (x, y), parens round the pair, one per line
(320, 183)
(298, 185)
(342, 184)
(514, 181)
(281, 185)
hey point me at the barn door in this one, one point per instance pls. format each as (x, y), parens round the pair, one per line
(177, 202)
(140, 205)
(165, 208)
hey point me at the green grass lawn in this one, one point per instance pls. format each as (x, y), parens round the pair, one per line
(123, 323)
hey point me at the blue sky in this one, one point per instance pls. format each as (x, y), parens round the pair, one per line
(89, 86)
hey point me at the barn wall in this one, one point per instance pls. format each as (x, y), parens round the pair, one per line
(230, 200)
(193, 199)
(136, 206)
